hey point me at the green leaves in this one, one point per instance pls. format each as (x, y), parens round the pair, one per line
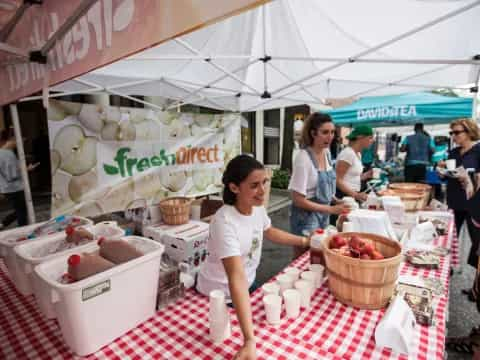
(110, 170)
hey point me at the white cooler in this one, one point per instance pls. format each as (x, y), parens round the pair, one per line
(26, 281)
(95, 311)
(8, 241)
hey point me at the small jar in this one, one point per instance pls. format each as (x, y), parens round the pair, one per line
(316, 247)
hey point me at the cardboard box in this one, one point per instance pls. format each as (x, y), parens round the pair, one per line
(185, 243)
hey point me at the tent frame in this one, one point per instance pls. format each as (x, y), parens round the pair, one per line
(280, 93)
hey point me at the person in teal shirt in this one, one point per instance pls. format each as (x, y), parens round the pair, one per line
(419, 148)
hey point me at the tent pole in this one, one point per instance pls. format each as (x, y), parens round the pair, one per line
(212, 83)
(191, 57)
(56, 95)
(81, 10)
(301, 85)
(264, 39)
(381, 45)
(216, 66)
(23, 164)
(384, 61)
(14, 51)
(8, 28)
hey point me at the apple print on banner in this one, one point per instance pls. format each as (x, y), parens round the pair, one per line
(105, 158)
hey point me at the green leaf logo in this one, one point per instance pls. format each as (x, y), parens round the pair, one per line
(110, 170)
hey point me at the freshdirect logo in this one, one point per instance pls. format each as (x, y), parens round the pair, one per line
(126, 166)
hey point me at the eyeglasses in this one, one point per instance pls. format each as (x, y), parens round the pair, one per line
(456, 132)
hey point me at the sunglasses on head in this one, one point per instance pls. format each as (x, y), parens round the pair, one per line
(456, 132)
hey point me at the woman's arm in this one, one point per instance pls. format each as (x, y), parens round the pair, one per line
(341, 169)
(300, 200)
(282, 237)
(237, 283)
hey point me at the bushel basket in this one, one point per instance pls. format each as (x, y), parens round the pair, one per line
(365, 284)
(175, 210)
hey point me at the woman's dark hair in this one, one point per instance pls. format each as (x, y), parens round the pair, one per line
(5, 135)
(237, 171)
(313, 122)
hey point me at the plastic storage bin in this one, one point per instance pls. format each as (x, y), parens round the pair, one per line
(27, 281)
(9, 239)
(95, 311)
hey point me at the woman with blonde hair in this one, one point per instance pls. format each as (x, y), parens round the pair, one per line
(465, 133)
(313, 180)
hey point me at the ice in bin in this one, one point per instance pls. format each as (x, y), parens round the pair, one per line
(104, 297)
(11, 238)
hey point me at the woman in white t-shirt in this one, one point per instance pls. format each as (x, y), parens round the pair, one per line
(235, 242)
(349, 167)
(312, 184)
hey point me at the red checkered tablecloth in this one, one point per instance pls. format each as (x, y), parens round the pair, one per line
(328, 330)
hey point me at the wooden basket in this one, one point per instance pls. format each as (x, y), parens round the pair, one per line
(415, 187)
(413, 201)
(365, 284)
(175, 210)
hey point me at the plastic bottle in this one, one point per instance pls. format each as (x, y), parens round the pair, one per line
(316, 247)
(341, 219)
(85, 265)
(118, 251)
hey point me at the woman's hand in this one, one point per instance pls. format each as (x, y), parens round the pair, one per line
(441, 164)
(361, 197)
(31, 167)
(247, 351)
(367, 175)
(338, 209)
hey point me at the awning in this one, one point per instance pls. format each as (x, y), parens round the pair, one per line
(403, 109)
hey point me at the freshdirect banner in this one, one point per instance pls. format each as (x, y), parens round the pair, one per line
(106, 159)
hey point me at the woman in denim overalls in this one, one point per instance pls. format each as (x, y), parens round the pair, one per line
(313, 179)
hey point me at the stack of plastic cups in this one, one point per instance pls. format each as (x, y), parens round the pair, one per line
(293, 272)
(319, 270)
(306, 289)
(310, 276)
(285, 281)
(273, 308)
(218, 317)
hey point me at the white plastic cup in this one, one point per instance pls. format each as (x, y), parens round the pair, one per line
(285, 281)
(310, 276)
(155, 214)
(294, 272)
(320, 271)
(376, 173)
(347, 226)
(273, 308)
(271, 288)
(305, 288)
(451, 164)
(292, 298)
(217, 306)
(196, 211)
(219, 331)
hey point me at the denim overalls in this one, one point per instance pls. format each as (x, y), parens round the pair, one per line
(303, 220)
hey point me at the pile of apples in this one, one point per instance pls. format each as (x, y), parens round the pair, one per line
(355, 248)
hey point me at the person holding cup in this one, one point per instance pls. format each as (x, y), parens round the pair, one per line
(312, 184)
(465, 133)
(349, 167)
(235, 242)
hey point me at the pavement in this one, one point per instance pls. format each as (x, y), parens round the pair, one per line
(463, 314)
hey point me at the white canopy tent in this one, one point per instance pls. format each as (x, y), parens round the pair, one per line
(290, 52)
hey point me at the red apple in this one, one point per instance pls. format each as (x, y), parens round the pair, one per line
(377, 255)
(365, 257)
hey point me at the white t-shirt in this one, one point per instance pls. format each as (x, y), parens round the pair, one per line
(304, 175)
(354, 172)
(232, 234)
